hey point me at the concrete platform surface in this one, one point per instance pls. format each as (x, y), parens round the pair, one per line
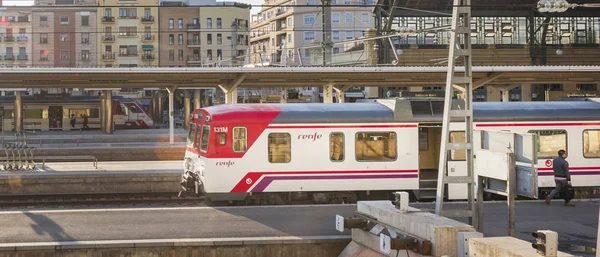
(86, 168)
(577, 227)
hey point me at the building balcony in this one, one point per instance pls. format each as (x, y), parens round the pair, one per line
(43, 41)
(128, 54)
(107, 57)
(191, 26)
(148, 19)
(85, 40)
(9, 39)
(128, 17)
(147, 38)
(193, 43)
(194, 59)
(148, 57)
(108, 38)
(107, 19)
(22, 57)
(22, 39)
(128, 34)
(9, 57)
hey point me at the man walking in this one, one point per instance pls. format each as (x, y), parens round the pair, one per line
(562, 177)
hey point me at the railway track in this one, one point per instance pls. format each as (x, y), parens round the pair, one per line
(89, 200)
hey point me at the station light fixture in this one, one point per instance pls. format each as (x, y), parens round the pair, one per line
(559, 5)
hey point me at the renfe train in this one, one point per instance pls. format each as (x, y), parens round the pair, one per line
(339, 153)
(48, 113)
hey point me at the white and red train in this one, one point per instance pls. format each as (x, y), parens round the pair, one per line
(53, 113)
(343, 152)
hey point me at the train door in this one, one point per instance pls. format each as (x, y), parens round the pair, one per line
(457, 167)
(429, 155)
(55, 116)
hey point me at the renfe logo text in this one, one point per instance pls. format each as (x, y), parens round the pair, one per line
(225, 163)
(312, 137)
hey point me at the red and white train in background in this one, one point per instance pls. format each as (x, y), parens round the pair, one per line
(48, 112)
(343, 152)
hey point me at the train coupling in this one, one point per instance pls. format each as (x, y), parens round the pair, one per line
(189, 183)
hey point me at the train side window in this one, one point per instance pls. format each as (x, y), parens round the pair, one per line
(336, 146)
(376, 146)
(222, 139)
(240, 139)
(280, 148)
(591, 143)
(204, 140)
(423, 139)
(458, 137)
(550, 141)
(190, 137)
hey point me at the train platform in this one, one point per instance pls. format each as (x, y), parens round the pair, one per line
(86, 178)
(577, 227)
(97, 136)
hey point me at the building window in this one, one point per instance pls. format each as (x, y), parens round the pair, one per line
(44, 38)
(349, 34)
(240, 140)
(591, 143)
(365, 17)
(289, 22)
(209, 54)
(44, 21)
(376, 146)
(309, 19)
(335, 35)
(171, 23)
(280, 148)
(171, 39)
(128, 13)
(128, 50)
(349, 17)
(64, 54)
(85, 55)
(306, 53)
(180, 54)
(309, 35)
(209, 39)
(550, 141)
(336, 146)
(209, 23)
(310, 2)
(64, 37)
(180, 23)
(128, 31)
(289, 37)
(171, 55)
(219, 23)
(85, 20)
(43, 55)
(219, 39)
(219, 54)
(180, 39)
(335, 17)
(64, 20)
(85, 38)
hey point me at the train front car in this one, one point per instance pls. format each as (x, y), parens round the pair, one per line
(289, 153)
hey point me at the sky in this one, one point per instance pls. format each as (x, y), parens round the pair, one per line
(255, 3)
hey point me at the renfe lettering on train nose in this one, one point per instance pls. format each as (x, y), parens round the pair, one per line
(225, 163)
(312, 137)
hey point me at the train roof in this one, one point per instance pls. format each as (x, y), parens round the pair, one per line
(402, 110)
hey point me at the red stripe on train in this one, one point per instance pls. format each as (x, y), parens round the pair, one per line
(538, 124)
(342, 126)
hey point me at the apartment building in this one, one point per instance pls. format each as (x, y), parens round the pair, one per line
(65, 33)
(285, 28)
(128, 33)
(15, 37)
(215, 33)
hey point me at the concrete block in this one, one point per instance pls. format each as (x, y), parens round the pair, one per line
(503, 246)
(354, 249)
(463, 242)
(115, 244)
(7, 247)
(371, 242)
(147, 243)
(441, 231)
(36, 246)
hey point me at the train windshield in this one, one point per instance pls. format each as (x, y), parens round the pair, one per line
(190, 137)
(205, 134)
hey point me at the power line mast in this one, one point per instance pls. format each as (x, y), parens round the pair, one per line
(326, 44)
(459, 46)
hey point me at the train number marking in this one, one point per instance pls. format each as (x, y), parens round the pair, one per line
(248, 181)
(548, 163)
(220, 129)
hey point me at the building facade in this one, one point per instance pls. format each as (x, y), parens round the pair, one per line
(128, 33)
(213, 34)
(285, 29)
(16, 32)
(65, 33)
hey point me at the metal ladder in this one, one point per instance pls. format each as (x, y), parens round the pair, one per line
(460, 34)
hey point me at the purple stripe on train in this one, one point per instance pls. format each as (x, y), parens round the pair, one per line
(260, 187)
(573, 173)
